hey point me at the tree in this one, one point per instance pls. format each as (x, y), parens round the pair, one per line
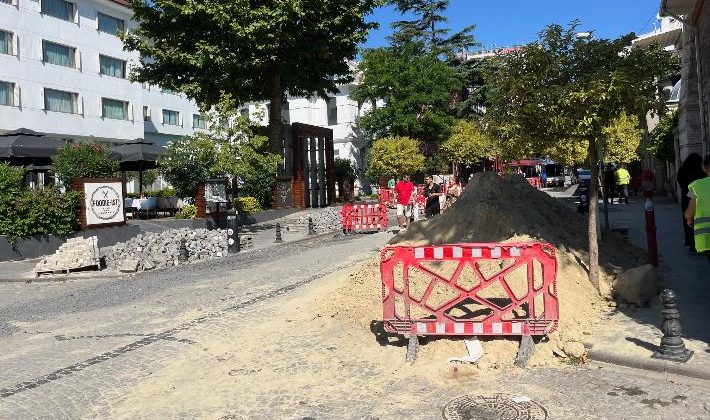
(662, 142)
(252, 50)
(189, 162)
(566, 88)
(468, 144)
(622, 140)
(395, 156)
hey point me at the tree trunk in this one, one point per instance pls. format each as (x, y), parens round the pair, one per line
(275, 123)
(593, 214)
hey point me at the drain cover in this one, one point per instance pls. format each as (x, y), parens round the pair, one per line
(498, 407)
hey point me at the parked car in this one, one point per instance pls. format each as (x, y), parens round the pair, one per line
(584, 176)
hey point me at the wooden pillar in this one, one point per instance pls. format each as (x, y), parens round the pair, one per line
(200, 202)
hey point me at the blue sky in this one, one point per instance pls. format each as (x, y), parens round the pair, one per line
(502, 23)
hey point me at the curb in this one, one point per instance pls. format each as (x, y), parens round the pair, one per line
(656, 365)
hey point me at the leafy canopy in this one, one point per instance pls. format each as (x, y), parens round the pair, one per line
(395, 156)
(622, 140)
(662, 142)
(468, 144)
(83, 161)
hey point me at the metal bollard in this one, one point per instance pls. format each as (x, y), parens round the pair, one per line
(672, 346)
(183, 254)
(233, 245)
(311, 228)
(278, 234)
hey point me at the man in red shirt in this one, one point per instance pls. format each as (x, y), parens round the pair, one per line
(404, 193)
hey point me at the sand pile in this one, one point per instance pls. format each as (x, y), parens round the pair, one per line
(494, 209)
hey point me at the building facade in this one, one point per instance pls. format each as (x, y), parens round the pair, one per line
(63, 71)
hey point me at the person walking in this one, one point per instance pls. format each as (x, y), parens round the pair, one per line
(543, 178)
(698, 212)
(404, 195)
(691, 170)
(453, 191)
(609, 183)
(432, 192)
(623, 179)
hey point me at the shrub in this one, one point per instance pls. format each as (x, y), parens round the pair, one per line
(10, 178)
(167, 192)
(343, 169)
(83, 161)
(187, 212)
(44, 212)
(247, 205)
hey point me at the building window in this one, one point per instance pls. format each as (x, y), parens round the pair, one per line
(7, 94)
(146, 113)
(244, 112)
(58, 54)
(110, 24)
(60, 9)
(171, 117)
(113, 109)
(60, 101)
(332, 111)
(198, 121)
(113, 67)
(6, 46)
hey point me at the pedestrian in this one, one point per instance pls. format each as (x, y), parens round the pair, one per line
(698, 212)
(391, 183)
(691, 170)
(453, 191)
(543, 178)
(432, 192)
(404, 194)
(609, 183)
(622, 179)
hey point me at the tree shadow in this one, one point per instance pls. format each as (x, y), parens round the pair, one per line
(644, 344)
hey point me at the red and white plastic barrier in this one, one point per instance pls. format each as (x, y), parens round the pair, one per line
(356, 218)
(487, 289)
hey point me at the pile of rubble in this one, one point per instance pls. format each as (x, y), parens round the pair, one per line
(149, 250)
(324, 219)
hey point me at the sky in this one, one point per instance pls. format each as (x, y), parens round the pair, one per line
(501, 23)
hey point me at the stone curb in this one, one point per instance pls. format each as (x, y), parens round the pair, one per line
(656, 365)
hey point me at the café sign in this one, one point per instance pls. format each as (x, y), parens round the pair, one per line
(103, 202)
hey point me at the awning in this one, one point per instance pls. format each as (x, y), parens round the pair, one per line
(678, 7)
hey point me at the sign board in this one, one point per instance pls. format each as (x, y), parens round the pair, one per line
(216, 191)
(102, 204)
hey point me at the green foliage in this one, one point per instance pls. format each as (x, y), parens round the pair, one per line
(189, 162)
(468, 144)
(83, 161)
(344, 169)
(253, 50)
(395, 156)
(149, 177)
(565, 89)
(187, 212)
(44, 212)
(247, 205)
(622, 140)
(662, 142)
(166, 192)
(10, 178)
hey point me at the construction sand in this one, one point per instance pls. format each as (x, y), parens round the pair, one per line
(496, 209)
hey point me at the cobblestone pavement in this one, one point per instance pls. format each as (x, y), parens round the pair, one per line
(132, 347)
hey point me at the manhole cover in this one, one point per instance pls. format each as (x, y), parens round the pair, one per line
(498, 407)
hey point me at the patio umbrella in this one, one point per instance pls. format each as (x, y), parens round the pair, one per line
(137, 156)
(24, 147)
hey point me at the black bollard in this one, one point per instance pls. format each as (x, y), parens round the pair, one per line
(311, 228)
(183, 255)
(672, 346)
(232, 235)
(278, 234)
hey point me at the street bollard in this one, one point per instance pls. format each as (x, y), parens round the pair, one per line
(311, 228)
(672, 346)
(183, 254)
(232, 235)
(278, 234)
(650, 214)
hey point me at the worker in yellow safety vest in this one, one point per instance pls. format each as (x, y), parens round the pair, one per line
(623, 179)
(698, 212)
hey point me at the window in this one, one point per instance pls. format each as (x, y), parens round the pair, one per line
(146, 113)
(6, 46)
(110, 24)
(171, 117)
(332, 111)
(113, 109)
(244, 112)
(113, 67)
(198, 121)
(60, 9)
(58, 54)
(7, 94)
(7, 1)
(60, 101)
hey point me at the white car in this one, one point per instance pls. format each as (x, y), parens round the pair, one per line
(584, 176)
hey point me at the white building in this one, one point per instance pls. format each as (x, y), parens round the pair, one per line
(63, 71)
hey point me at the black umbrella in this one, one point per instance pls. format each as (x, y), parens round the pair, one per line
(137, 156)
(25, 146)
